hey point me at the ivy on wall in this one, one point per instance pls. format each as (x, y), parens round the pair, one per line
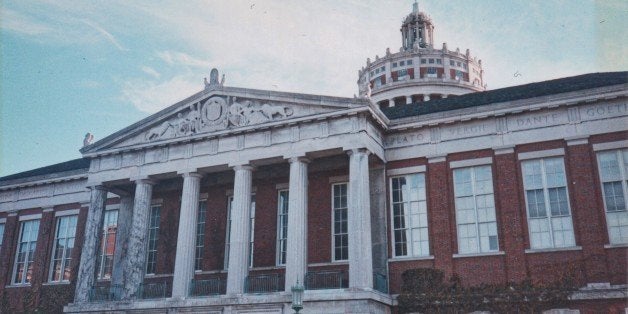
(424, 290)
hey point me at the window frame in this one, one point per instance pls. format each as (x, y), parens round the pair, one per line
(63, 260)
(474, 195)
(547, 206)
(282, 239)
(333, 221)
(152, 242)
(251, 231)
(410, 254)
(200, 234)
(100, 271)
(623, 179)
(26, 260)
(2, 227)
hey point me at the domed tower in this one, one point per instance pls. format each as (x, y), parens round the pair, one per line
(419, 72)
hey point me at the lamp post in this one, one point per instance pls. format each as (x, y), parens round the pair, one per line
(297, 297)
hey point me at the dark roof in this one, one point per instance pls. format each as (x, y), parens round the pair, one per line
(562, 85)
(76, 164)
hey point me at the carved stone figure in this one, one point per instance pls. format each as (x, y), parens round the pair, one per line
(213, 77)
(89, 138)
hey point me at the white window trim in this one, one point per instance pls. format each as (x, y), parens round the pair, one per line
(278, 242)
(333, 243)
(548, 207)
(491, 253)
(202, 198)
(410, 258)
(15, 260)
(475, 209)
(54, 246)
(542, 154)
(30, 217)
(67, 212)
(556, 249)
(406, 170)
(228, 237)
(153, 205)
(101, 234)
(623, 178)
(3, 220)
(392, 218)
(471, 162)
(610, 145)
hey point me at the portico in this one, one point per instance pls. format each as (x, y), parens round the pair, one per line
(307, 134)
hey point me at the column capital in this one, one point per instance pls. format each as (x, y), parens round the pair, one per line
(145, 181)
(243, 167)
(98, 187)
(302, 159)
(358, 151)
(191, 174)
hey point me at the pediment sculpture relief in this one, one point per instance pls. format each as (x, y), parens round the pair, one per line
(218, 113)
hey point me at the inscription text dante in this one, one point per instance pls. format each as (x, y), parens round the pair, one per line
(540, 120)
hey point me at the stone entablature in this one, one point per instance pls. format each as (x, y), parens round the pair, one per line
(62, 190)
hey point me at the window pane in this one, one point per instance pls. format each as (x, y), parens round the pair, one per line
(409, 215)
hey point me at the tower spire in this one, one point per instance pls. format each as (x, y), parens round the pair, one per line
(415, 7)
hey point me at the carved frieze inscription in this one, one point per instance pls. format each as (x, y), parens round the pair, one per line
(469, 129)
(69, 187)
(8, 196)
(408, 138)
(218, 113)
(537, 120)
(35, 192)
(602, 111)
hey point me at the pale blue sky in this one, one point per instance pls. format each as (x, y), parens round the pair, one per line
(71, 67)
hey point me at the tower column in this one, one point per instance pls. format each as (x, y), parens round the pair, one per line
(408, 100)
(93, 227)
(391, 102)
(186, 239)
(296, 262)
(359, 221)
(426, 97)
(136, 261)
(239, 235)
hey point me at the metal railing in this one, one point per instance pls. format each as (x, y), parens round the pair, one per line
(105, 293)
(205, 287)
(330, 279)
(264, 283)
(152, 291)
(380, 282)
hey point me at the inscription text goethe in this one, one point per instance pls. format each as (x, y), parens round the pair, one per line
(603, 111)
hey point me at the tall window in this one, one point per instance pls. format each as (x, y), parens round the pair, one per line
(549, 217)
(62, 252)
(200, 234)
(409, 215)
(282, 227)
(251, 231)
(107, 244)
(614, 177)
(340, 233)
(431, 72)
(25, 257)
(153, 237)
(1, 235)
(475, 210)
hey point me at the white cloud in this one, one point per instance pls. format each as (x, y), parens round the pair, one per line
(14, 21)
(152, 96)
(105, 33)
(150, 71)
(181, 58)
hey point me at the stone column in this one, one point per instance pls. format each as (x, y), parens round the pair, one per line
(359, 219)
(391, 103)
(125, 217)
(408, 100)
(89, 254)
(239, 237)
(135, 268)
(426, 97)
(186, 239)
(296, 262)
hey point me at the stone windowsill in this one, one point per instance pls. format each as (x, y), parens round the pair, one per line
(266, 268)
(56, 283)
(25, 285)
(210, 272)
(615, 246)
(328, 264)
(554, 249)
(479, 254)
(410, 258)
(157, 275)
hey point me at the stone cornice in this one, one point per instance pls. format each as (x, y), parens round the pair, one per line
(46, 179)
(510, 107)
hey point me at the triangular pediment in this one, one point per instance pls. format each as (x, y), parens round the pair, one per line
(222, 111)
